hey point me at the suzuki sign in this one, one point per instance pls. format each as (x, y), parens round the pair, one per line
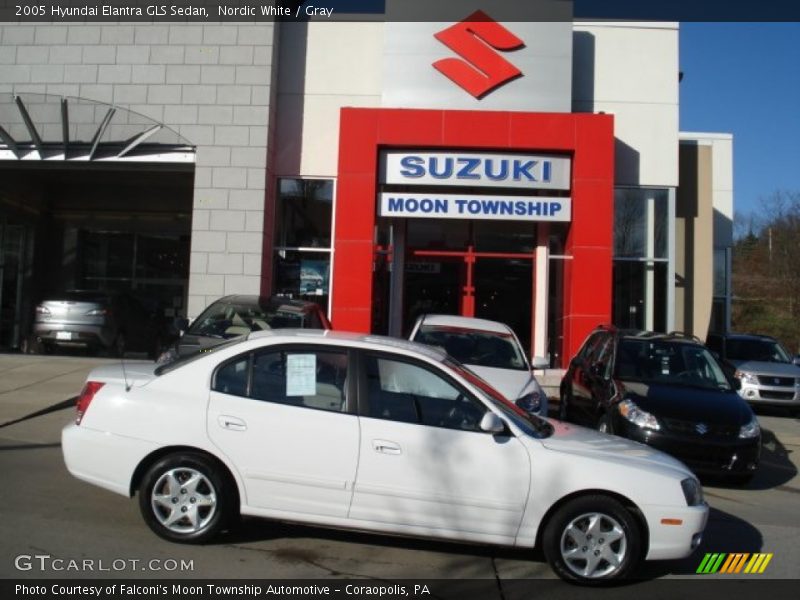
(471, 169)
(479, 62)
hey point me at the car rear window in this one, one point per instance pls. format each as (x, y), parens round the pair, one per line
(190, 358)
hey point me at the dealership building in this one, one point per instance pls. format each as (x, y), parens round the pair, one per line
(518, 170)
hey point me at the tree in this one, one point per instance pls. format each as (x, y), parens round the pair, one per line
(766, 270)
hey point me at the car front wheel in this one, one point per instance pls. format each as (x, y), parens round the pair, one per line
(182, 498)
(592, 540)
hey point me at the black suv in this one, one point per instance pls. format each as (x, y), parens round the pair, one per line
(667, 391)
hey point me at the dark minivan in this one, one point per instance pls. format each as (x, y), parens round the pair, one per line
(667, 391)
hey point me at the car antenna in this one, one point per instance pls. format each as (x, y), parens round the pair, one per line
(128, 386)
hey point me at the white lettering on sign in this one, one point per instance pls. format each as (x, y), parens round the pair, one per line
(468, 206)
(472, 169)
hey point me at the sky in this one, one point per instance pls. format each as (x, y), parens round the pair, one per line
(744, 79)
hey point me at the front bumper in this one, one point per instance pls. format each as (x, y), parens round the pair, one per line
(705, 456)
(675, 532)
(773, 395)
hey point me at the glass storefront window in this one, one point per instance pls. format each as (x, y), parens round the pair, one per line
(303, 275)
(304, 212)
(641, 255)
(640, 295)
(640, 223)
(303, 239)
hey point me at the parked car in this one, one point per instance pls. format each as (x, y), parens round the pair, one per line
(667, 391)
(767, 372)
(491, 350)
(113, 322)
(236, 315)
(378, 434)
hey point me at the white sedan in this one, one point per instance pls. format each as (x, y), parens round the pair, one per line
(376, 434)
(492, 350)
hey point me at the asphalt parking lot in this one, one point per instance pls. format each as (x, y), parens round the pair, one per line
(48, 513)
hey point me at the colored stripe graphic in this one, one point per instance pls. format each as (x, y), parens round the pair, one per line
(721, 562)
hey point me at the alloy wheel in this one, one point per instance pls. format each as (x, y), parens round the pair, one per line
(593, 545)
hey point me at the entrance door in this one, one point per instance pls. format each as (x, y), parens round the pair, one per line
(504, 292)
(487, 285)
(12, 243)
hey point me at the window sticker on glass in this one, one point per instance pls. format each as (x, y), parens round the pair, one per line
(301, 374)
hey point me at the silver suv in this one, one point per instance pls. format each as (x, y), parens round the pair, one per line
(95, 320)
(765, 369)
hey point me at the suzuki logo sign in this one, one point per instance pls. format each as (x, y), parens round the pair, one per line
(476, 40)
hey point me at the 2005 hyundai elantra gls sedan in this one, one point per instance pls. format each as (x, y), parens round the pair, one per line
(375, 434)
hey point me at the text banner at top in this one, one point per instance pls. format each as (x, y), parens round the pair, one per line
(56, 11)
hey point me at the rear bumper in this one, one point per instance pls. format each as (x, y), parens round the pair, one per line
(72, 334)
(101, 458)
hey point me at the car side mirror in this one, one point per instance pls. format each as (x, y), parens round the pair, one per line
(539, 362)
(491, 423)
(181, 324)
(796, 359)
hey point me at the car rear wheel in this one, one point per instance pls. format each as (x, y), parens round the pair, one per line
(592, 540)
(182, 498)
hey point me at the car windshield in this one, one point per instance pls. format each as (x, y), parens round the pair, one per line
(669, 362)
(758, 350)
(475, 347)
(227, 320)
(531, 424)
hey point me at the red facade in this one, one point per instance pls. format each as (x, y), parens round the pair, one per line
(588, 138)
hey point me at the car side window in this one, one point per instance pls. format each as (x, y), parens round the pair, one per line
(602, 357)
(306, 377)
(590, 346)
(412, 393)
(231, 378)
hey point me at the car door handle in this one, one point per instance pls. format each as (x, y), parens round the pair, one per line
(385, 447)
(232, 423)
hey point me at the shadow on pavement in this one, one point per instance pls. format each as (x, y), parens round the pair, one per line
(724, 533)
(69, 402)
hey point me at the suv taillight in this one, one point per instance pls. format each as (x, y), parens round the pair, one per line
(87, 393)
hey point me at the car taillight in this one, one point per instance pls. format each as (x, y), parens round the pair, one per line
(87, 393)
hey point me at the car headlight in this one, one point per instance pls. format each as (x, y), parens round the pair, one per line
(637, 416)
(746, 377)
(692, 491)
(531, 403)
(751, 430)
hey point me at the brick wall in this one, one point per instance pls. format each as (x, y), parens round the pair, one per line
(211, 83)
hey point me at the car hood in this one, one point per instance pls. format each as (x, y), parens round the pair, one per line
(580, 441)
(509, 382)
(128, 373)
(767, 368)
(688, 403)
